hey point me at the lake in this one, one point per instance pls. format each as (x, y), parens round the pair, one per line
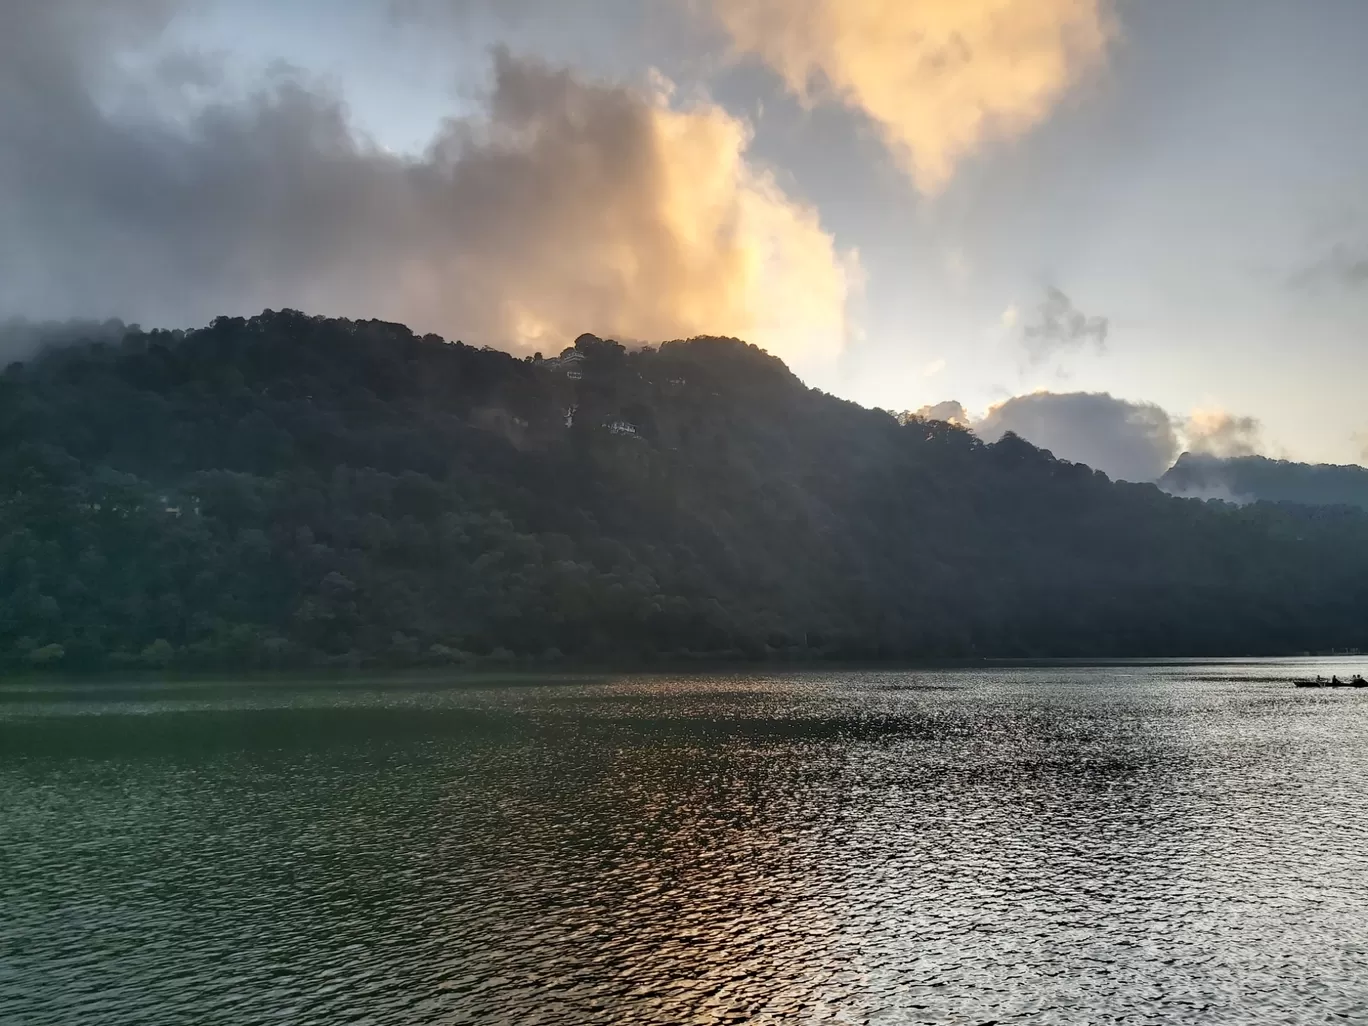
(1181, 843)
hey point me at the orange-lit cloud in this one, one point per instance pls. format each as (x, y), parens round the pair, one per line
(595, 208)
(940, 77)
(565, 204)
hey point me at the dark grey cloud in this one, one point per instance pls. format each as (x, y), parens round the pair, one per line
(110, 210)
(1057, 326)
(1126, 440)
(135, 184)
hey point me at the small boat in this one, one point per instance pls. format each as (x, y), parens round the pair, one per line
(1356, 681)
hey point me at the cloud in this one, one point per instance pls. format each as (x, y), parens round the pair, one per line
(957, 266)
(1206, 483)
(1342, 267)
(1360, 441)
(1220, 433)
(1058, 326)
(949, 411)
(1204, 475)
(567, 205)
(1127, 440)
(22, 339)
(939, 77)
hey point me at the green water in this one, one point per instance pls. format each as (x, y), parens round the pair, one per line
(1131, 843)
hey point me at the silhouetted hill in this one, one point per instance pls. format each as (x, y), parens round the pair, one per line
(290, 490)
(1247, 478)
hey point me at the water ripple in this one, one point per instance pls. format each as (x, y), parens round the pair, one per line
(1175, 844)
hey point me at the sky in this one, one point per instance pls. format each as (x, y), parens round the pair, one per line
(1122, 228)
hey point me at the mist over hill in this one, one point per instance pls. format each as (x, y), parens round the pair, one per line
(289, 490)
(1250, 478)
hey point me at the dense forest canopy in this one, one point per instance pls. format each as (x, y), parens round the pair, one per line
(1248, 478)
(289, 490)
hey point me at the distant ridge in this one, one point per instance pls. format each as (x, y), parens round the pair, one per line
(1253, 478)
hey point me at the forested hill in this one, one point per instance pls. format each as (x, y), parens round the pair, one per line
(292, 491)
(1247, 478)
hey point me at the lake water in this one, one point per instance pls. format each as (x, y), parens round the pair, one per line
(1135, 843)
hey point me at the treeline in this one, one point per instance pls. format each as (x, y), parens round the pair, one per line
(1250, 478)
(291, 491)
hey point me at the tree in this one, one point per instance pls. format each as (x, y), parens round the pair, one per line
(292, 490)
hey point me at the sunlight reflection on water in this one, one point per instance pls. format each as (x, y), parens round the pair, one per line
(1148, 844)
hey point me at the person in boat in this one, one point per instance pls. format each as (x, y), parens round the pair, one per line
(1334, 680)
(1358, 679)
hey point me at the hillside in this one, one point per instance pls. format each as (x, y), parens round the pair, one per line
(1246, 478)
(292, 491)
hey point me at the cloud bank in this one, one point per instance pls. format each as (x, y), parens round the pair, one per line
(939, 77)
(569, 205)
(1126, 440)
(1130, 441)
